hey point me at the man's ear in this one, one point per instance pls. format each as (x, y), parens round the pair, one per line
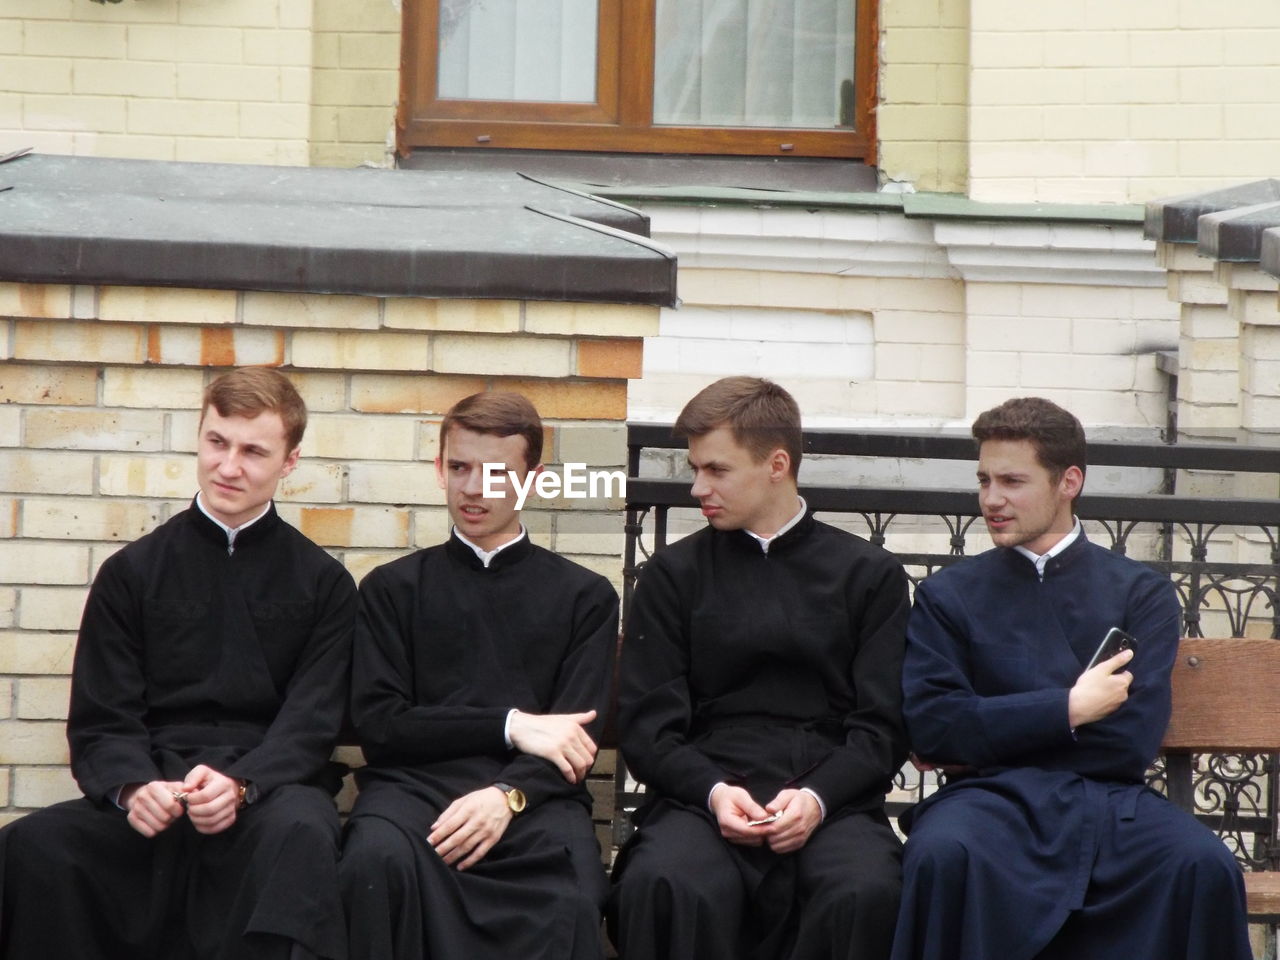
(290, 462)
(779, 465)
(440, 472)
(1072, 482)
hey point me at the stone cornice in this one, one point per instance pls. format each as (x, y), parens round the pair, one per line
(885, 243)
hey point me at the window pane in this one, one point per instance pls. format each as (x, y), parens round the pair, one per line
(754, 63)
(518, 50)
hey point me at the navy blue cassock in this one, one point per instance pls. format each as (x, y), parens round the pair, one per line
(1053, 846)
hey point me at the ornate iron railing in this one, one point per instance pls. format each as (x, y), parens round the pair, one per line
(1222, 553)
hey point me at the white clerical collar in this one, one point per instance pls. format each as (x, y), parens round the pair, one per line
(1042, 560)
(231, 532)
(765, 541)
(486, 556)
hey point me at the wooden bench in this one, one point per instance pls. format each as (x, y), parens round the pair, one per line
(1226, 699)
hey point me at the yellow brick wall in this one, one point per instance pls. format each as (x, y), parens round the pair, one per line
(356, 49)
(220, 80)
(922, 118)
(1121, 102)
(1010, 101)
(98, 418)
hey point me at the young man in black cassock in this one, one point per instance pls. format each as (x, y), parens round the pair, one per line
(481, 680)
(760, 704)
(206, 694)
(1045, 843)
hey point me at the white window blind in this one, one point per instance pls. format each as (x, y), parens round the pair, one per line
(542, 50)
(754, 63)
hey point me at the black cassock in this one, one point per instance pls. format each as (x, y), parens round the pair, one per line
(1053, 847)
(444, 649)
(766, 671)
(189, 654)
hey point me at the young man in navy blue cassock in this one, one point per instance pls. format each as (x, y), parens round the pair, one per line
(760, 703)
(1045, 843)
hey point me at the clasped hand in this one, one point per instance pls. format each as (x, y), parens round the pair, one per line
(558, 737)
(798, 816)
(210, 799)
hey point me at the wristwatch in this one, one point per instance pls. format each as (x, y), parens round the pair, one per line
(248, 793)
(516, 800)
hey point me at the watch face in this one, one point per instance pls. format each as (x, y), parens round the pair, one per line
(516, 799)
(250, 793)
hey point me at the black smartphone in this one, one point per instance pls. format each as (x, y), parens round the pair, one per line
(1114, 642)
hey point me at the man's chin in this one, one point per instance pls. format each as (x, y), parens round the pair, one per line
(1003, 538)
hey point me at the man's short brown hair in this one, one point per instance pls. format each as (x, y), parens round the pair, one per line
(761, 415)
(500, 414)
(250, 391)
(1054, 433)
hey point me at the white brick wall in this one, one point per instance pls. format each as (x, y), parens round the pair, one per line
(892, 317)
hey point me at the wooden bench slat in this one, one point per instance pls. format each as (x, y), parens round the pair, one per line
(1226, 696)
(1262, 891)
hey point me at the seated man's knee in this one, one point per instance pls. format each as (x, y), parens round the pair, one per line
(877, 891)
(1204, 856)
(64, 832)
(375, 853)
(295, 805)
(935, 852)
(659, 870)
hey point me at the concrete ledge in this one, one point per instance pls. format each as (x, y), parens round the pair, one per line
(1176, 220)
(88, 220)
(1235, 236)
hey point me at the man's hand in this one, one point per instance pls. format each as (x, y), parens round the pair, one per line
(470, 826)
(798, 816)
(212, 799)
(152, 806)
(734, 809)
(558, 737)
(1100, 691)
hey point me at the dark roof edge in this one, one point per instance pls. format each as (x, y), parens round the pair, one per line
(666, 253)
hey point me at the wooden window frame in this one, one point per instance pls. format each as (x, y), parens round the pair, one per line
(621, 119)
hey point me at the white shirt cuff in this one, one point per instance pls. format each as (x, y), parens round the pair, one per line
(506, 728)
(712, 793)
(822, 807)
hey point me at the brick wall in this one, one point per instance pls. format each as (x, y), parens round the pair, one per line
(356, 82)
(222, 80)
(99, 398)
(870, 318)
(1115, 102)
(922, 119)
